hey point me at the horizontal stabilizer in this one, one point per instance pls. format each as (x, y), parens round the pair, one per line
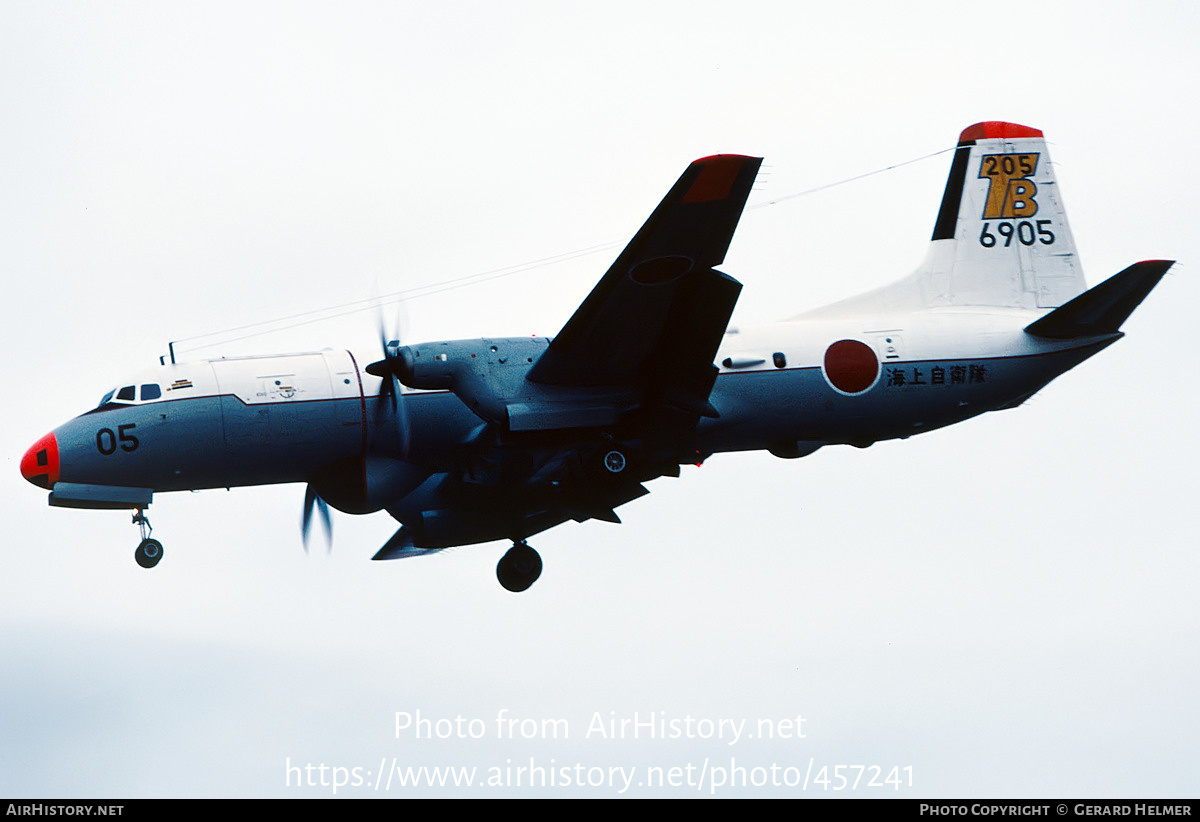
(1102, 309)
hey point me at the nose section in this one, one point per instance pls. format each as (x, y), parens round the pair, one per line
(40, 463)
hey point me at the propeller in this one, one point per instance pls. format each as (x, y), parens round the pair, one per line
(312, 500)
(397, 361)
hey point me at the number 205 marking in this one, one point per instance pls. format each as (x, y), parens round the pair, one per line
(1025, 232)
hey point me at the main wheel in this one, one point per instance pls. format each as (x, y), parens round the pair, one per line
(148, 553)
(519, 568)
(614, 462)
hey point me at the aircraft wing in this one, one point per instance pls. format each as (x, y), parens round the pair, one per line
(635, 359)
(655, 319)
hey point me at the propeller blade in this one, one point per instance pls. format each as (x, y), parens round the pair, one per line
(391, 397)
(312, 500)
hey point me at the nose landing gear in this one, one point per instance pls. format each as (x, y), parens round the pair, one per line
(519, 567)
(149, 551)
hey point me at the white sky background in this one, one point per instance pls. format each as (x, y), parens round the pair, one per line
(1007, 606)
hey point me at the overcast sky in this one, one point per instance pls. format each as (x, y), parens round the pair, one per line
(1006, 607)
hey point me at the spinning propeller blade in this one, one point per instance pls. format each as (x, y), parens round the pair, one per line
(389, 369)
(313, 500)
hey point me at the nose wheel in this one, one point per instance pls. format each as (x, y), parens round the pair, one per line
(519, 568)
(149, 551)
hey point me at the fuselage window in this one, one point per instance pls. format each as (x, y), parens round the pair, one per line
(779, 360)
(107, 397)
(151, 391)
(126, 394)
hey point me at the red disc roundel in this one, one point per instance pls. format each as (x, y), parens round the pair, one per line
(851, 366)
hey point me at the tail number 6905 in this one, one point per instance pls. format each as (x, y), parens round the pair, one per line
(1026, 232)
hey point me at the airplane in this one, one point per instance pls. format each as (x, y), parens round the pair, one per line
(501, 439)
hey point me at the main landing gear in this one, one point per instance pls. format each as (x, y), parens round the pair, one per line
(149, 551)
(519, 567)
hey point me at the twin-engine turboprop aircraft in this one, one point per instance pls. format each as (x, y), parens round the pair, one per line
(504, 438)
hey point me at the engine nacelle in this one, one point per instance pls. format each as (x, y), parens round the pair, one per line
(487, 375)
(490, 377)
(439, 365)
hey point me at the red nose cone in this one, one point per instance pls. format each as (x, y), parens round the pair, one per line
(40, 463)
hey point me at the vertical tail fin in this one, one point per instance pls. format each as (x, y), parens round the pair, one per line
(1001, 236)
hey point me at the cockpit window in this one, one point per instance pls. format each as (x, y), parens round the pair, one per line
(127, 394)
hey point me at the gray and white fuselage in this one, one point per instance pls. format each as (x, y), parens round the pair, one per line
(279, 419)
